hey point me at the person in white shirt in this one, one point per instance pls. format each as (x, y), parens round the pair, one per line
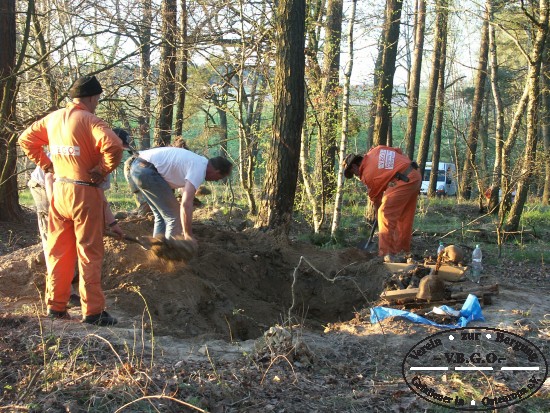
(39, 183)
(158, 171)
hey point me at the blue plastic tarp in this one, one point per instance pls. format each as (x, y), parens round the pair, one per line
(470, 311)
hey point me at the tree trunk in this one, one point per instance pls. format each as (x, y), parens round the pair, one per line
(221, 109)
(248, 133)
(311, 126)
(533, 82)
(325, 156)
(484, 140)
(9, 197)
(414, 80)
(345, 122)
(506, 180)
(316, 212)
(440, 28)
(499, 109)
(385, 85)
(465, 187)
(375, 82)
(288, 115)
(440, 109)
(145, 76)
(45, 66)
(545, 123)
(182, 81)
(167, 77)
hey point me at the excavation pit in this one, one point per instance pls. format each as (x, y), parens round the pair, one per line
(237, 286)
(240, 284)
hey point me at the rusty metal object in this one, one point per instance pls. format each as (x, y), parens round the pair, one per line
(431, 288)
(453, 254)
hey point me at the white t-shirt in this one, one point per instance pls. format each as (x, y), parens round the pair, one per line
(38, 176)
(177, 165)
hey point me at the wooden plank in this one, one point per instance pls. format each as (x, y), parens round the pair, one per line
(475, 289)
(425, 307)
(395, 295)
(409, 294)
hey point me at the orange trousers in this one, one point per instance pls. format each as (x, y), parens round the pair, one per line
(396, 215)
(75, 230)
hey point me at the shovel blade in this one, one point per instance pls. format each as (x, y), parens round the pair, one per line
(367, 245)
(370, 246)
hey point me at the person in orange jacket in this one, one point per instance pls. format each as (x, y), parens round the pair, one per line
(393, 185)
(83, 151)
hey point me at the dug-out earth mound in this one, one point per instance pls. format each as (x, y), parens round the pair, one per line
(239, 283)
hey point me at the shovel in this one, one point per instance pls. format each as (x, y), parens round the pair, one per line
(172, 249)
(370, 246)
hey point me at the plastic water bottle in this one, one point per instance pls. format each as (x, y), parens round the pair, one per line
(440, 248)
(477, 267)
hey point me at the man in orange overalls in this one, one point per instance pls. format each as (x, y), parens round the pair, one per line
(83, 150)
(393, 185)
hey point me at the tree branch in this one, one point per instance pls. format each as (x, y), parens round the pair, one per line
(520, 47)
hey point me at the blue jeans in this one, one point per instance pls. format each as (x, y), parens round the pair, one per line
(159, 196)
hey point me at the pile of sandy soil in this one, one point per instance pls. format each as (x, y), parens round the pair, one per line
(237, 285)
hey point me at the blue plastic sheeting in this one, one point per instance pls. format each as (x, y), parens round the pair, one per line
(470, 311)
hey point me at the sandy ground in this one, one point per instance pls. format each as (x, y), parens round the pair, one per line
(216, 308)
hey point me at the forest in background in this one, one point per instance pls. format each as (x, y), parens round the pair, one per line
(286, 89)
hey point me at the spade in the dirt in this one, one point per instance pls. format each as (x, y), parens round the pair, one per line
(369, 245)
(171, 249)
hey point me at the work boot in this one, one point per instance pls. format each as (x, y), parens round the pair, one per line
(389, 258)
(103, 319)
(74, 301)
(63, 315)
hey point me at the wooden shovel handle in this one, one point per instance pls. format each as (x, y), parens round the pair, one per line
(374, 226)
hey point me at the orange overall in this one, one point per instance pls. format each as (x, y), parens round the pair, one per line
(78, 141)
(395, 198)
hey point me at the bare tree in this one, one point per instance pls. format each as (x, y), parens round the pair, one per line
(414, 79)
(545, 123)
(540, 24)
(385, 85)
(44, 59)
(375, 90)
(345, 124)
(9, 197)
(465, 187)
(182, 78)
(325, 155)
(167, 78)
(249, 132)
(288, 115)
(429, 113)
(440, 104)
(144, 44)
(499, 114)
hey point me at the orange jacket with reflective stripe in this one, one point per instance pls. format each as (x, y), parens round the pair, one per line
(379, 167)
(78, 141)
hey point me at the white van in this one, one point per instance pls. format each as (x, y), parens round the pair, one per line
(446, 179)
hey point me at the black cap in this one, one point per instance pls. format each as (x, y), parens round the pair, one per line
(349, 160)
(123, 135)
(85, 86)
